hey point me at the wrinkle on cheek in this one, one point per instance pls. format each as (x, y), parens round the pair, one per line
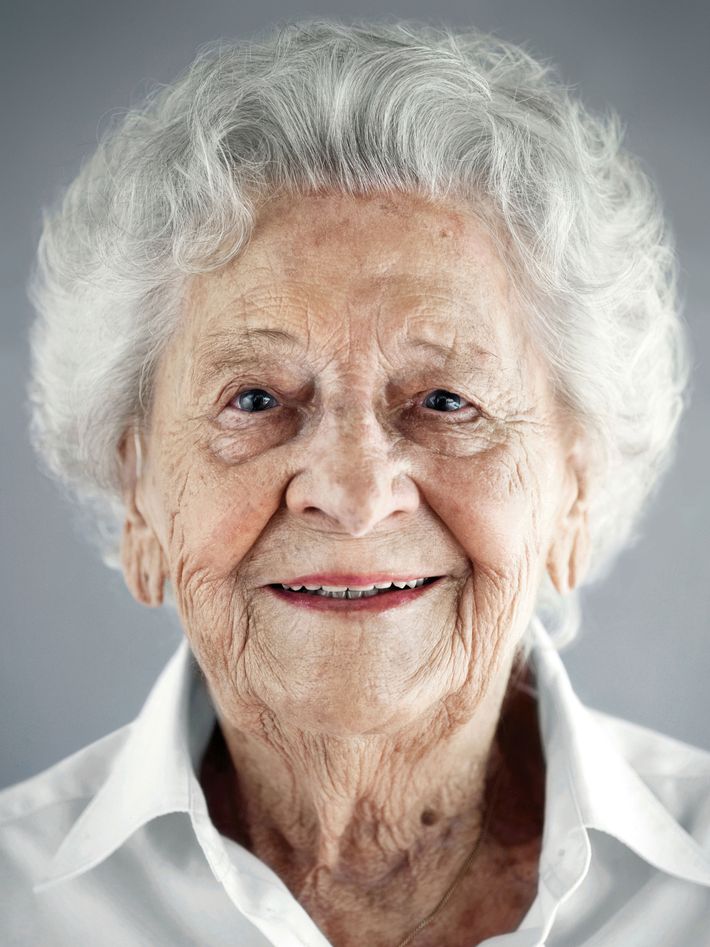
(485, 526)
(492, 505)
(446, 658)
(263, 663)
(234, 447)
(497, 610)
(205, 546)
(516, 478)
(218, 624)
(506, 491)
(176, 536)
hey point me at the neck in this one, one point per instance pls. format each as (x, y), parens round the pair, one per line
(387, 818)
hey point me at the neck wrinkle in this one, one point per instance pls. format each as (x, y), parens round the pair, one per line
(364, 812)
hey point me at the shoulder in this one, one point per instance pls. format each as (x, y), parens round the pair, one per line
(37, 813)
(678, 773)
(652, 751)
(76, 776)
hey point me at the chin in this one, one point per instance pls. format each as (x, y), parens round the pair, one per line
(351, 712)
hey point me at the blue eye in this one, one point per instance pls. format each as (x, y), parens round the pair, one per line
(255, 399)
(440, 400)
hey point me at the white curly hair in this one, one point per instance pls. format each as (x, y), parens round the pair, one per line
(175, 184)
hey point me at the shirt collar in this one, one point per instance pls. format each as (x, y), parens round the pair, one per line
(153, 773)
(603, 790)
(589, 784)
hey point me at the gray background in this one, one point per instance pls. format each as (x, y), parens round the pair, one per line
(78, 655)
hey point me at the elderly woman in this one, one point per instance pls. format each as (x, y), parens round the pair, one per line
(361, 344)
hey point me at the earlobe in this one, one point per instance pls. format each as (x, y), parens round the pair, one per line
(136, 577)
(142, 558)
(568, 555)
(558, 559)
(579, 555)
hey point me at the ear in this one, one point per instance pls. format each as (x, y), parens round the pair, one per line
(568, 554)
(142, 558)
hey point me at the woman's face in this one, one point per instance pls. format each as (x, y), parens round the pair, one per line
(354, 400)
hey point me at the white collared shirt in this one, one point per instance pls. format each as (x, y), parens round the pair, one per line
(114, 846)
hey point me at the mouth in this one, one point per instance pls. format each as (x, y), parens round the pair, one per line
(352, 593)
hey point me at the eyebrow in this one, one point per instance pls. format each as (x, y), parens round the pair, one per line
(217, 351)
(446, 350)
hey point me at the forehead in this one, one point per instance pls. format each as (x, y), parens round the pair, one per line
(318, 262)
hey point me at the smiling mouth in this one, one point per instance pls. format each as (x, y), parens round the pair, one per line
(351, 593)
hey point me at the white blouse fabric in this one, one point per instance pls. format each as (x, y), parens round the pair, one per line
(114, 846)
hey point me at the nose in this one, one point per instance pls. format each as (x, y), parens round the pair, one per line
(352, 479)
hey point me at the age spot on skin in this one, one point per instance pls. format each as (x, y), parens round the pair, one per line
(429, 817)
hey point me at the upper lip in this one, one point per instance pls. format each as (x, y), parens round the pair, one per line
(353, 580)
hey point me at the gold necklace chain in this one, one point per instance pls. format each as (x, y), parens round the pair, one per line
(461, 872)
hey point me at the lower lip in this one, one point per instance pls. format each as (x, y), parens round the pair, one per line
(375, 603)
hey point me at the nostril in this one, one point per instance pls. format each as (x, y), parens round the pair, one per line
(350, 497)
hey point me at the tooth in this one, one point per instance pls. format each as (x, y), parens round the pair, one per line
(296, 588)
(334, 588)
(368, 594)
(361, 588)
(354, 593)
(412, 584)
(400, 585)
(382, 585)
(418, 583)
(312, 588)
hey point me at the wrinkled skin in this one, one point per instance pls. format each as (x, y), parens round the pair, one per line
(357, 745)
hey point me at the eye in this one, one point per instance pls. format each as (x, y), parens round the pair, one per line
(254, 399)
(440, 400)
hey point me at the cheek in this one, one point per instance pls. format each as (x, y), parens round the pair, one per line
(493, 504)
(217, 516)
(216, 519)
